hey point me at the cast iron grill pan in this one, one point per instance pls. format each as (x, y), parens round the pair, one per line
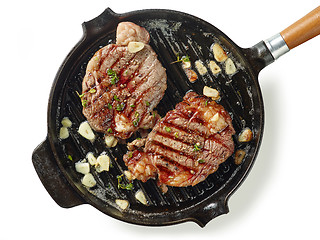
(171, 33)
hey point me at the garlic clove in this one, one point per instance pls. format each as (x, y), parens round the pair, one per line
(110, 141)
(245, 135)
(218, 52)
(141, 197)
(134, 47)
(230, 68)
(88, 180)
(64, 133)
(103, 163)
(82, 167)
(239, 156)
(128, 175)
(200, 67)
(219, 122)
(215, 69)
(211, 92)
(123, 204)
(66, 122)
(86, 131)
(91, 159)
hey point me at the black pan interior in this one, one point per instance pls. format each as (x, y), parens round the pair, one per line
(171, 33)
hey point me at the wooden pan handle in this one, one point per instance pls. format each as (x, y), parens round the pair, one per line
(303, 29)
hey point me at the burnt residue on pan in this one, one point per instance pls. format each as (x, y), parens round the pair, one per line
(171, 34)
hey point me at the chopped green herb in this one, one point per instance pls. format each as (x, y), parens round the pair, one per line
(132, 105)
(84, 102)
(115, 97)
(128, 186)
(70, 158)
(176, 135)
(136, 122)
(196, 148)
(80, 95)
(109, 106)
(109, 130)
(120, 107)
(201, 161)
(130, 154)
(168, 129)
(119, 177)
(113, 76)
(147, 104)
(92, 90)
(206, 103)
(183, 59)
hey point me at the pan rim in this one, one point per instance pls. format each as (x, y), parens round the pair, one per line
(225, 197)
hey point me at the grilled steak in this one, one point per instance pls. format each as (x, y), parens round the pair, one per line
(121, 88)
(186, 145)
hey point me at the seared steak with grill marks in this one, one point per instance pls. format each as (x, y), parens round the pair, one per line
(121, 88)
(186, 145)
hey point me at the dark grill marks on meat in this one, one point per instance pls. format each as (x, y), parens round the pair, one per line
(190, 142)
(121, 89)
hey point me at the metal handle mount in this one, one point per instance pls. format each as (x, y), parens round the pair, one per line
(277, 46)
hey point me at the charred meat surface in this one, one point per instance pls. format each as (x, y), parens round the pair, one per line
(120, 88)
(185, 146)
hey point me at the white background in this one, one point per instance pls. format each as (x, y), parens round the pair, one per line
(280, 197)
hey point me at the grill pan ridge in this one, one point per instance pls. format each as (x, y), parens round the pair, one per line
(171, 33)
